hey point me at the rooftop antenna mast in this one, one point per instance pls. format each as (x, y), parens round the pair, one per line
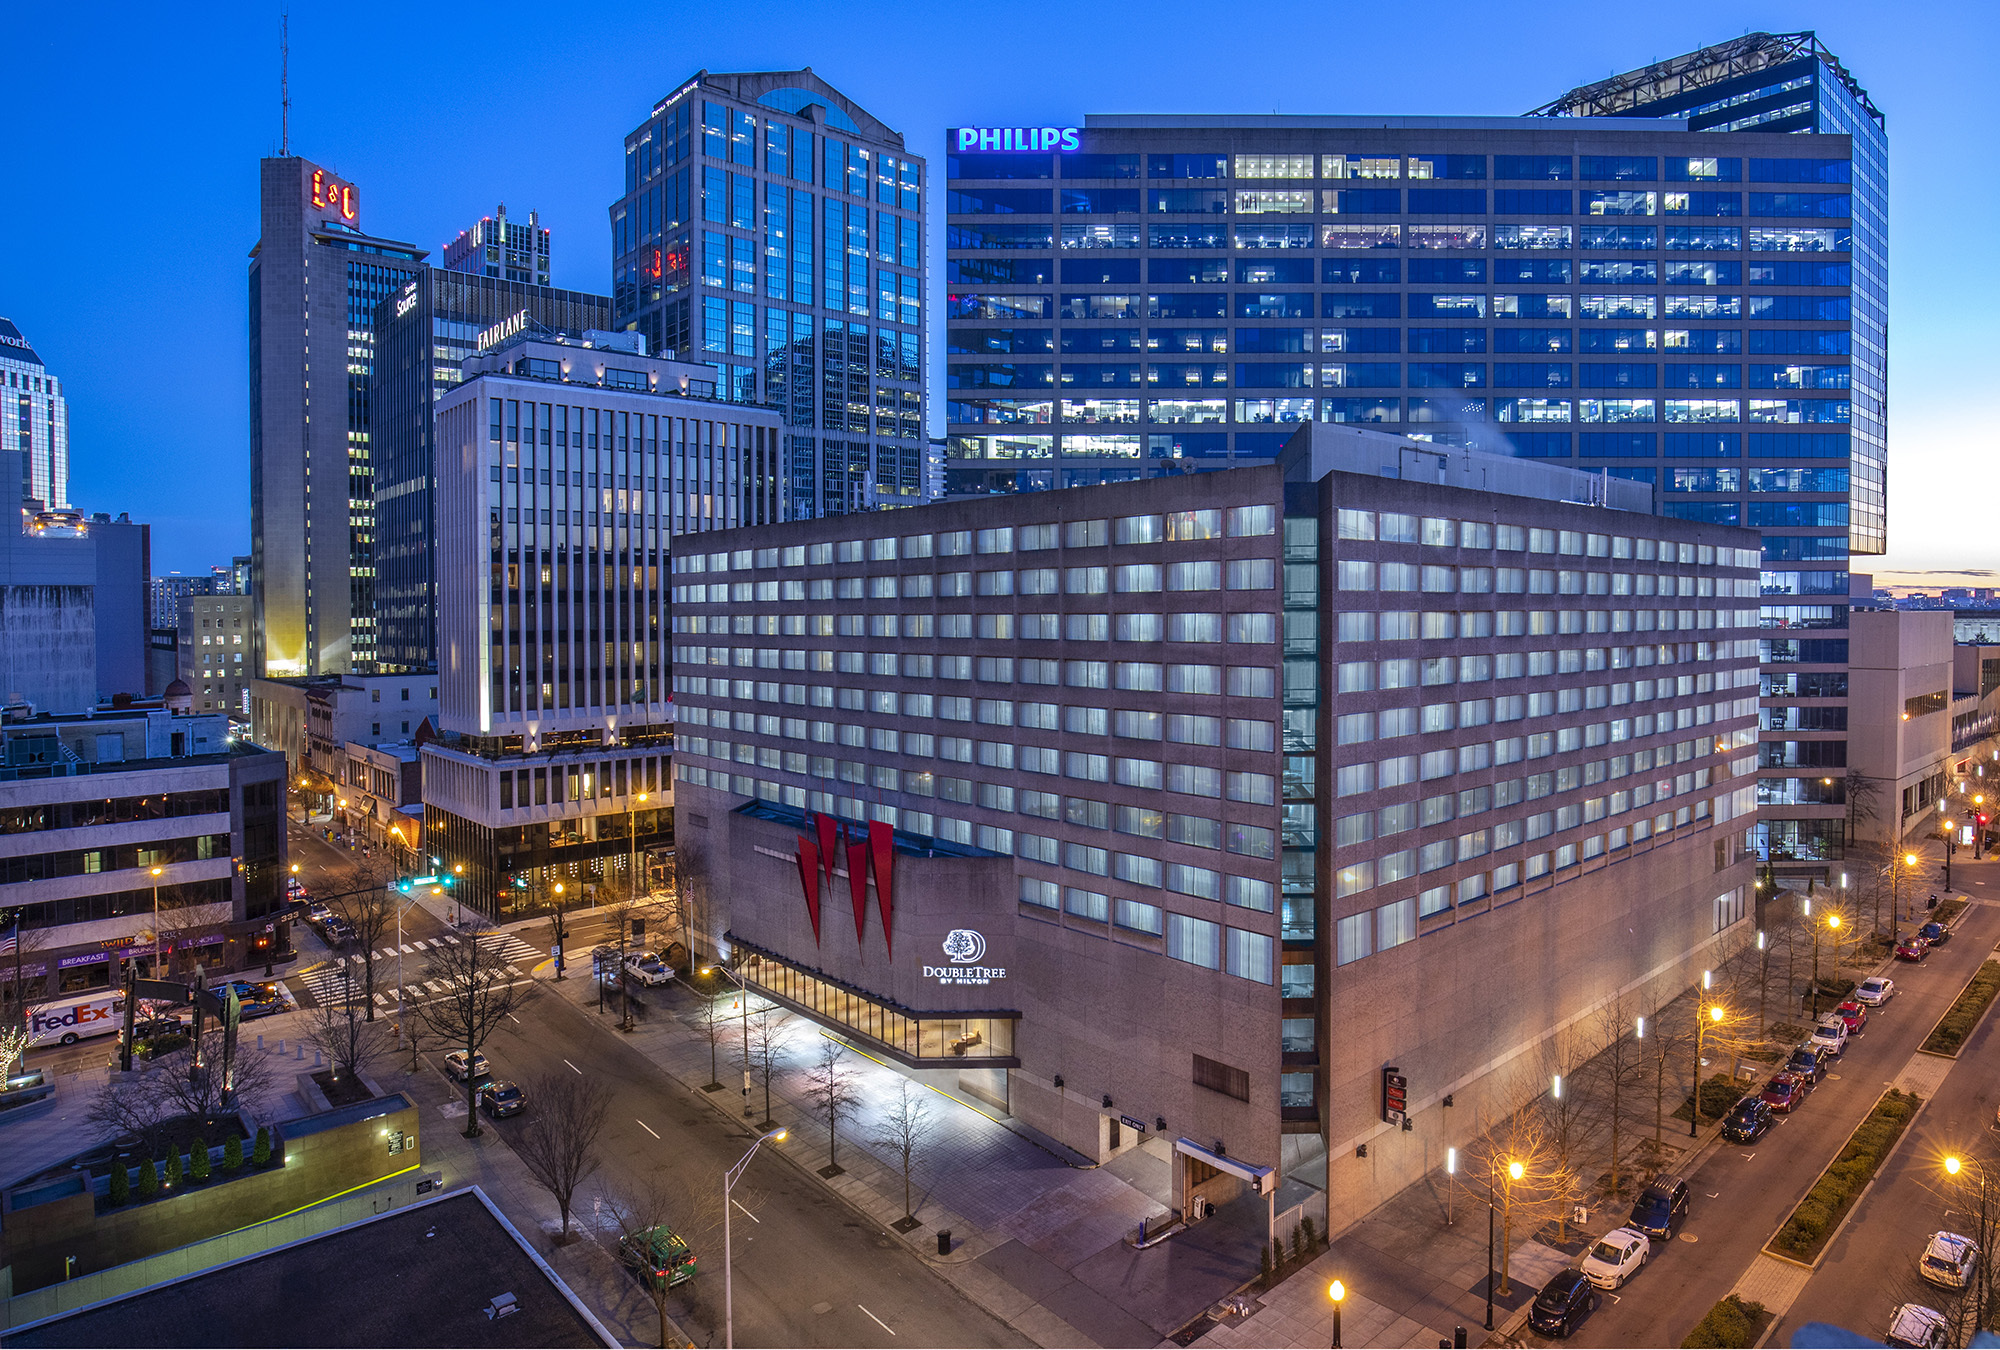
(285, 84)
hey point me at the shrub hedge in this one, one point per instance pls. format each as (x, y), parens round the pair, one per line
(1732, 1323)
(1964, 1013)
(1841, 1184)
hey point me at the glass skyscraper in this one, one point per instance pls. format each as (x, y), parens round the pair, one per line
(772, 227)
(34, 419)
(1633, 294)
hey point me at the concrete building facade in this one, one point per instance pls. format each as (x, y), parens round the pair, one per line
(1190, 804)
(563, 471)
(427, 330)
(214, 641)
(107, 820)
(316, 279)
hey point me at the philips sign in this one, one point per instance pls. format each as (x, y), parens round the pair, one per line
(1016, 138)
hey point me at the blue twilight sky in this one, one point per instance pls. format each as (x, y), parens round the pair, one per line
(128, 168)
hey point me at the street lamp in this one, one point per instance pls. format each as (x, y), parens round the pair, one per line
(1950, 847)
(562, 935)
(1832, 926)
(1336, 1291)
(729, 1179)
(158, 945)
(1451, 1182)
(1515, 1171)
(743, 1002)
(1700, 1028)
(1909, 860)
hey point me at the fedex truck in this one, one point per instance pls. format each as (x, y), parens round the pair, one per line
(70, 1020)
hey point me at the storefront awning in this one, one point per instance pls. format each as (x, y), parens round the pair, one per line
(1260, 1178)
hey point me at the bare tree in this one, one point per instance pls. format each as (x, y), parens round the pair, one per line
(559, 1142)
(1617, 1074)
(15, 1003)
(1569, 1108)
(628, 1214)
(184, 1082)
(1528, 1181)
(905, 1130)
(769, 1034)
(370, 910)
(1864, 802)
(830, 1086)
(338, 1029)
(477, 995)
(712, 1019)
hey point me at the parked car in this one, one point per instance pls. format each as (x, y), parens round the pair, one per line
(657, 1253)
(1875, 991)
(1661, 1208)
(1807, 1061)
(1785, 1091)
(454, 1064)
(1563, 1303)
(270, 1007)
(1914, 1327)
(1949, 1260)
(294, 887)
(647, 968)
(1853, 1014)
(1935, 933)
(337, 931)
(1912, 948)
(248, 993)
(1616, 1257)
(502, 1098)
(1750, 1120)
(318, 914)
(1831, 1037)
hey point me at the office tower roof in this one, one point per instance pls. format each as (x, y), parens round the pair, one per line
(16, 344)
(1685, 78)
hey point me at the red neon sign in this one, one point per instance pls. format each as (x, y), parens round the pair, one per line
(332, 195)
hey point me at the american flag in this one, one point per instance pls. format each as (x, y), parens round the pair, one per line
(10, 937)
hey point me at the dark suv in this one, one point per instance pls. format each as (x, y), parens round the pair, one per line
(1935, 933)
(1661, 1208)
(1806, 1062)
(1749, 1121)
(1564, 1302)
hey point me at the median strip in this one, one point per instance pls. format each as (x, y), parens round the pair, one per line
(1818, 1216)
(1948, 1036)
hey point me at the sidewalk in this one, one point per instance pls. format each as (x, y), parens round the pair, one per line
(1038, 1236)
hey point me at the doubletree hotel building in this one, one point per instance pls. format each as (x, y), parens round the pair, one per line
(1676, 277)
(1187, 805)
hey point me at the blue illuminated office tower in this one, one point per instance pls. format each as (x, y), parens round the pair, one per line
(772, 227)
(1673, 277)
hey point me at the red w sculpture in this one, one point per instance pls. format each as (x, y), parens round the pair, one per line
(878, 849)
(809, 880)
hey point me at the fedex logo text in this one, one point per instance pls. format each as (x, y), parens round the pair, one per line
(41, 1023)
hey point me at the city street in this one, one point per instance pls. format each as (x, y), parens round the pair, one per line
(809, 1271)
(1742, 1194)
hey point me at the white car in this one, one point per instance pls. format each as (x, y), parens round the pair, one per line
(1831, 1036)
(1616, 1257)
(1875, 991)
(454, 1064)
(1949, 1260)
(648, 969)
(1915, 1327)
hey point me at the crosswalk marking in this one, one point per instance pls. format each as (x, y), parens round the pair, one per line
(406, 947)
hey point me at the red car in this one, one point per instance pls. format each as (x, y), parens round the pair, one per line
(1853, 1014)
(1912, 949)
(1784, 1092)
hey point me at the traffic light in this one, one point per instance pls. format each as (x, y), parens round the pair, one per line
(404, 885)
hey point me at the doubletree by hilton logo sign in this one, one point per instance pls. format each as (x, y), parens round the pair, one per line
(967, 948)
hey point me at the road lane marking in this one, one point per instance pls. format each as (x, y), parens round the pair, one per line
(754, 1219)
(656, 1134)
(878, 1321)
(515, 1020)
(574, 1069)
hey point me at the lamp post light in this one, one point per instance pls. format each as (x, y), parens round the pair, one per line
(729, 1180)
(1833, 927)
(743, 1002)
(562, 934)
(1714, 1014)
(159, 941)
(1515, 1171)
(1950, 847)
(1450, 1182)
(1337, 1292)
(1896, 871)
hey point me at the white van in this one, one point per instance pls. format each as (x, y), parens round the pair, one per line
(67, 1021)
